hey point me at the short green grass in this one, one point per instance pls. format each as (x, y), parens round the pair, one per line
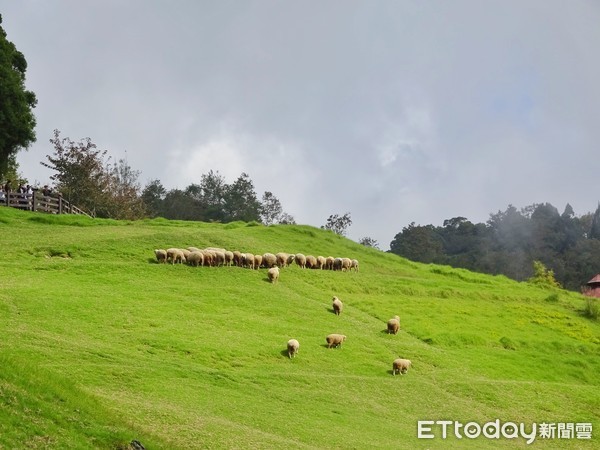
(101, 345)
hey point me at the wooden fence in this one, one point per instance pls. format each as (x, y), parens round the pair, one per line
(39, 202)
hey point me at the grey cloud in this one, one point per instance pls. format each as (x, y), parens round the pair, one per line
(394, 111)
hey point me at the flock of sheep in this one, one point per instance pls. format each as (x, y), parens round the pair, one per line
(212, 256)
(399, 366)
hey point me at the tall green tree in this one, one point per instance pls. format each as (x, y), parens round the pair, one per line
(338, 224)
(17, 122)
(595, 227)
(123, 199)
(270, 209)
(240, 201)
(153, 197)
(213, 188)
(178, 205)
(419, 243)
(368, 241)
(80, 172)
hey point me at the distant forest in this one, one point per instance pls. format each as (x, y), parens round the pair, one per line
(509, 243)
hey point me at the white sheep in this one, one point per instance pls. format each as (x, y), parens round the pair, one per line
(195, 258)
(228, 258)
(393, 325)
(329, 262)
(346, 264)
(354, 265)
(401, 366)
(257, 261)
(300, 260)
(338, 306)
(284, 259)
(269, 260)
(210, 258)
(273, 274)
(311, 262)
(237, 258)
(161, 255)
(248, 259)
(219, 258)
(175, 255)
(335, 340)
(293, 346)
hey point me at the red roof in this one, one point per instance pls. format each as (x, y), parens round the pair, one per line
(595, 280)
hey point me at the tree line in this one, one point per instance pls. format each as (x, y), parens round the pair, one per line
(510, 242)
(90, 179)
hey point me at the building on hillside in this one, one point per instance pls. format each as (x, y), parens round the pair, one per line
(592, 287)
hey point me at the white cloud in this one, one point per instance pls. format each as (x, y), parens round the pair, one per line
(408, 111)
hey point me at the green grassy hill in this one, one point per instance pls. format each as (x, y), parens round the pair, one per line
(101, 345)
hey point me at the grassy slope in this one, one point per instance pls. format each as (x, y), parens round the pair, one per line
(100, 345)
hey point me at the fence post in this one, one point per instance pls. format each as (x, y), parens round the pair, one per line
(33, 200)
(60, 204)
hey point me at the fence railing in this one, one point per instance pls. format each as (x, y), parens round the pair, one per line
(39, 202)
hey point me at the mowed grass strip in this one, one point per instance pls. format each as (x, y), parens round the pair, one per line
(184, 357)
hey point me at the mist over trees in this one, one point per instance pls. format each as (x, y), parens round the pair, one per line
(510, 242)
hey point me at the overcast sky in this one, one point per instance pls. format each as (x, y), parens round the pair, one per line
(395, 111)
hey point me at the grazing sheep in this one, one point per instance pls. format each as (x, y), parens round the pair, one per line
(293, 346)
(249, 260)
(300, 260)
(401, 366)
(273, 274)
(212, 257)
(321, 262)
(335, 340)
(338, 306)
(346, 264)
(228, 258)
(220, 258)
(175, 255)
(269, 260)
(257, 261)
(337, 264)
(393, 325)
(311, 262)
(161, 255)
(354, 265)
(195, 259)
(208, 257)
(237, 258)
(329, 262)
(284, 259)
(193, 249)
